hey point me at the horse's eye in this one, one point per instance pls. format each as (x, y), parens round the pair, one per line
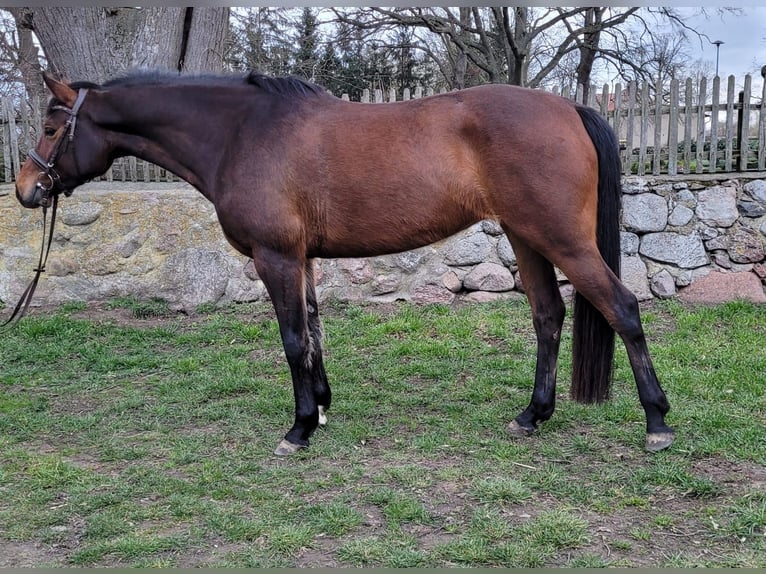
(49, 132)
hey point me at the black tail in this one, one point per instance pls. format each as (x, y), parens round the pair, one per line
(593, 338)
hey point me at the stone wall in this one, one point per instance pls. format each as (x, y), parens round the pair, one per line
(163, 240)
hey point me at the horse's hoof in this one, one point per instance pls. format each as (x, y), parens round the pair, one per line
(658, 441)
(286, 448)
(322, 415)
(519, 431)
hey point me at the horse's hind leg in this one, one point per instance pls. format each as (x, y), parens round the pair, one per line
(541, 287)
(619, 306)
(322, 392)
(285, 280)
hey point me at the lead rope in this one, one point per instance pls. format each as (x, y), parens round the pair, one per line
(26, 297)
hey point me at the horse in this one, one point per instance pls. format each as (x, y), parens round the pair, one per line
(295, 173)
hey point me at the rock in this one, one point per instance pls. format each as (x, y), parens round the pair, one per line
(60, 267)
(83, 213)
(751, 209)
(757, 190)
(680, 215)
(432, 294)
(634, 276)
(685, 197)
(489, 297)
(644, 212)
(489, 277)
(663, 285)
(629, 243)
(760, 270)
(410, 261)
(491, 227)
(505, 252)
(722, 260)
(384, 284)
(468, 249)
(242, 290)
(249, 270)
(745, 246)
(686, 251)
(717, 206)
(193, 276)
(634, 185)
(719, 287)
(131, 243)
(358, 270)
(452, 282)
(706, 232)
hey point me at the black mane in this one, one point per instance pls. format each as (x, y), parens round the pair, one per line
(283, 86)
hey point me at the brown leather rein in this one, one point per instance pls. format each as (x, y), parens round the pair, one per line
(47, 180)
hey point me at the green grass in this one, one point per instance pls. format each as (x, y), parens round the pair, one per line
(134, 436)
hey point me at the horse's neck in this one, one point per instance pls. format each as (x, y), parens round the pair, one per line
(171, 129)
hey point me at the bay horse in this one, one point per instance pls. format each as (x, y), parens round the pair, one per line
(295, 173)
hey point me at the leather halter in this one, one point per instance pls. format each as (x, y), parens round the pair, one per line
(47, 180)
(48, 177)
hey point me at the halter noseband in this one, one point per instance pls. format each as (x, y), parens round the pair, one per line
(48, 177)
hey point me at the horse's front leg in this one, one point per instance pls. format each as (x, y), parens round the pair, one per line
(285, 280)
(322, 392)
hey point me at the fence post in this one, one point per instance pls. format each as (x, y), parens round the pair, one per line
(743, 125)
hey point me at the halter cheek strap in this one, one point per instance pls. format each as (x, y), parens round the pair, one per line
(48, 176)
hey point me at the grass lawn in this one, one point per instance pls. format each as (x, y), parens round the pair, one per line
(134, 436)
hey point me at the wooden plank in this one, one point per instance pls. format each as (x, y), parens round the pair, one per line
(657, 151)
(591, 103)
(15, 156)
(715, 101)
(762, 130)
(605, 100)
(7, 171)
(729, 151)
(700, 139)
(687, 157)
(631, 104)
(743, 135)
(26, 134)
(644, 129)
(617, 117)
(673, 128)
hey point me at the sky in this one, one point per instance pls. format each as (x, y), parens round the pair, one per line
(744, 40)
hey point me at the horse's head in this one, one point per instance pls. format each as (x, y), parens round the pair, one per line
(71, 151)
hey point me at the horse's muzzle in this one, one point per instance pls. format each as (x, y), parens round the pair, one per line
(36, 198)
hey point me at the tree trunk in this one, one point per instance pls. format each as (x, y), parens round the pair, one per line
(461, 59)
(520, 62)
(28, 57)
(98, 43)
(589, 48)
(206, 40)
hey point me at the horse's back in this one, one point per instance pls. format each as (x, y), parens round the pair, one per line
(381, 178)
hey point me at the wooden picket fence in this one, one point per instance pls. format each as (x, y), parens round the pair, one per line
(681, 127)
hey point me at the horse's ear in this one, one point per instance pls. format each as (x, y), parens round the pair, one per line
(60, 90)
